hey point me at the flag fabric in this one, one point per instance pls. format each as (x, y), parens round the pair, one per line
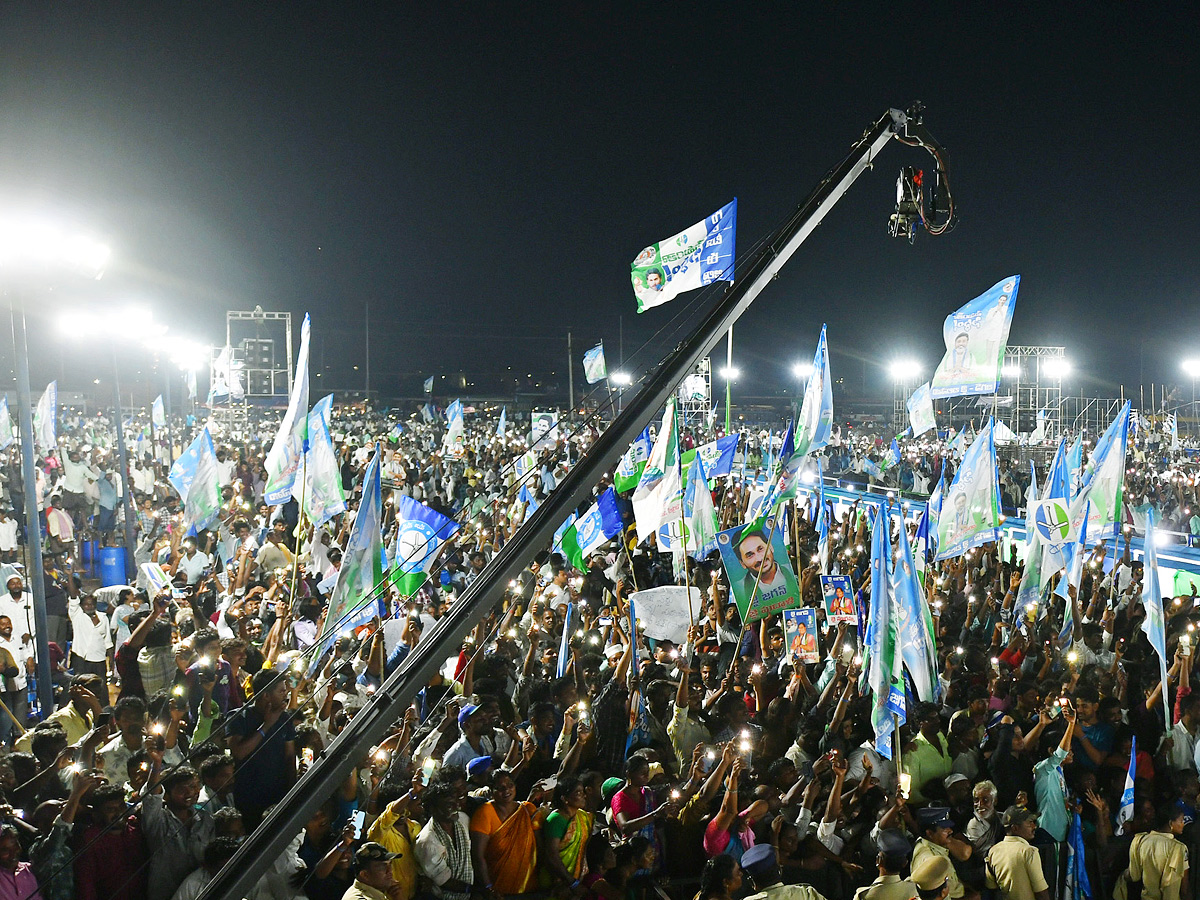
(1125, 812)
(821, 522)
(190, 379)
(453, 440)
(915, 622)
(503, 423)
(184, 469)
(324, 496)
(699, 513)
(158, 413)
(202, 505)
(814, 427)
(593, 364)
(429, 385)
(1097, 507)
(287, 451)
(6, 429)
(600, 523)
(633, 462)
(970, 515)
(1039, 431)
(362, 564)
(695, 257)
(1075, 467)
(872, 468)
(1077, 886)
(564, 643)
(1003, 434)
(420, 534)
(45, 418)
(556, 545)
(658, 497)
(976, 337)
(525, 495)
(426, 413)
(1174, 420)
(525, 463)
(920, 411)
(716, 456)
(1155, 622)
(894, 456)
(882, 659)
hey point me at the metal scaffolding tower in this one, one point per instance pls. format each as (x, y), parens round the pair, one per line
(695, 395)
(1032, 377)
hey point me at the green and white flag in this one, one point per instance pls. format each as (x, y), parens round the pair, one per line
(324, 497)
(45, 419)
(659, 495)
(593, 364)
(420, 534)
(920, 411)
(629, 469)
(970, 514)
(691, 259)
(287, 452)
(202, 505)
(1096, 509)
(6, 431)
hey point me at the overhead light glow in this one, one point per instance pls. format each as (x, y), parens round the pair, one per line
(33, 243)
(1011, 371)
(621, 379)
(729, 373)
(1056, 367)
(1191, 368)
(905, 370)
(802, 369)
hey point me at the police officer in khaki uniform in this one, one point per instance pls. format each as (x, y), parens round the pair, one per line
(894, 854)
(1014, 865)
(932, 877)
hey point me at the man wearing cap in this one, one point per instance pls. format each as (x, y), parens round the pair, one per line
(933, 877)
(937, 841)
(762, 865)
(372, 873)
(1014, 865)
(476, 737)
(894, 853)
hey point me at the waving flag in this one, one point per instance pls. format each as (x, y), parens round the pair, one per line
(1155, 623)
(976, 337)
(1075, 466)
(593, 364)
(6, 431)
(525, 495)
(202, 504)
(920, 411)
(915, 623)
(420, 534)
(1078, 886)
(698, 511)
(503, 423)
(600, 523)
(883, 662)
(1096, 509)
(324, 496)
(970, 515)
(1125, 813)
(659, 494)
(184, 470)
(695, 257)
(190, 378)
(362, 564)
(716, 456)
(45, 418)
(815, 425)
(158, 413)
(1174, 419)
(629, 469)
(453, 440)
(821, 522)
(287, 451)
(429, 385)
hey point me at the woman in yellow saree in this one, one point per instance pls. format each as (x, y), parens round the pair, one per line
(504, 839)
(565, 835)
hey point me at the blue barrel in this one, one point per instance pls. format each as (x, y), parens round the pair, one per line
(89, 551)
(112, 566)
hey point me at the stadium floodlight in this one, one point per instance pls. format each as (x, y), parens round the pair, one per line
(35, 243)
(621, 379)
(1011, 371)
(131, 323)
(1191, 368)
(1056, 367)
(802, 369)
(729, 373)
(905, 370)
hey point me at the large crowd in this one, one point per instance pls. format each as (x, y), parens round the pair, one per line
(599, 764)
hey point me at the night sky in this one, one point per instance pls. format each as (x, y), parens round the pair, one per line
(484, 176)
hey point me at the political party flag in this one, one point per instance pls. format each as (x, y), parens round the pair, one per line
(600, 523)
(698, 511)
(426, 413)
(45, 418)
(362, 564)
(920, 411)
(556, 544)
(693, 258)
(6, 430)
(1125, 812)
(287, 450)
(658, 497)
(815, 425)
(158, 579)
(821, 522)
(1078, 886)
(872, 468)
(525, 495)
(202, 504)
(970, 515)
(593, 364)
(190, 378)
(394, 434)
(158, 414)
(525, 463)
(1097, 507)
(914, 622)
(1155, 622)
(893, 456)
(1174, 419)
(503, 423)
(324, 497)
(420, 534)
(184, 470)
(429, 385)
(564, 644)
(976, 336)
(453, 440)
(882, 663)
(716, 456)
(760, 574)
(629, 469)
(1039, 431)
(1075, 466)
(1003, 434)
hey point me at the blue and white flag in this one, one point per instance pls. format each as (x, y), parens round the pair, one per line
(976, 337)
(1075, 466)
(697, 256)
(427, 415)
(1155, 623)
(1173, 421)
(184, 469)
(1077, 886)
(287, 451)
(821, 522)
(701, 536)
(454, 439)
(815, 425)
(970, 515)
(1125, 812)
(556, 544)
(525, 495)
(1097, 507)
(324, 496)
(894, 456)
(564, 643)
(915, 623)
(6, 430)
(158, 414)
(600, 523)
(202, 505)
(716, 456)
(45, 418)
(633, 462)
(593, 364)
(920, 411)
(503, 423)
(429, 385)
(872, 468)
(882, 660)
(420, 534)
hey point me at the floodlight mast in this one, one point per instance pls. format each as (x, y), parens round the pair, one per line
(387, 705)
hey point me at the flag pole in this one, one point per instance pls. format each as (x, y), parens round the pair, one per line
(687, 573)
(300, 520)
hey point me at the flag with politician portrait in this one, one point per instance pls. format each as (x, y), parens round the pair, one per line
(760, 573)
(695, 257)
(970, 513)
(976, 337)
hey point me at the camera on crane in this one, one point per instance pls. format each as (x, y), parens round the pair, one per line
(904, 221)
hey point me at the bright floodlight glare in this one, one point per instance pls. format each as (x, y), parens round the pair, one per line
(1191, 368)
(131, 323)
(1011, 371)
(1056, 367)
(729, 373)
(621, 379)
(39, 243)
(187, 354)
(802, 369)
(904, 369)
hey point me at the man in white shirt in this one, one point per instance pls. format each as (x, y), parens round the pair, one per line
(15, 687)
(193, 561)
(91, 640)
(8, 538)
(17, 604)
